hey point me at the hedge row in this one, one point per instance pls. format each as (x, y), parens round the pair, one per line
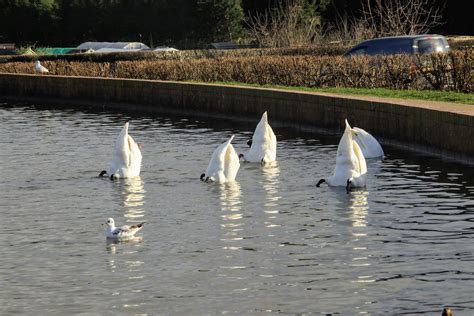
(183, 55)
(453, 72)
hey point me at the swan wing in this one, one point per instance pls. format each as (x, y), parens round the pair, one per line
(270, 143)
(216, 165)
(135, 152)
(231, 163)
(263, 142)
(122, 147)
(370, 147)
(360, 164)
(344, 160)
(135, 161)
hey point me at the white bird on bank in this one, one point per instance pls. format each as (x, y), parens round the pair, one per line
(351, 169)
(263, 144)
(368, 144)
(123, 232)
(224, 164)
(40, 68)
(126, 159)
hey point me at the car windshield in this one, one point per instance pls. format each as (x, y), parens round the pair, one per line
(358, 51)
(431, 45)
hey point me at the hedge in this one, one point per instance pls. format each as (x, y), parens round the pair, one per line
(449, 72)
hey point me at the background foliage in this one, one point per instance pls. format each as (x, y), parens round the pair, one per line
(180, 23)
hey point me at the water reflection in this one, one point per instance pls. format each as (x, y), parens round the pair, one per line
(359, 207)
(124, 255)
(271, 185)
(232, 217)
(132, 194)
(360, 258)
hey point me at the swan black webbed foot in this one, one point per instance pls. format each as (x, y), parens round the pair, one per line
(319, 182)
(348, 186)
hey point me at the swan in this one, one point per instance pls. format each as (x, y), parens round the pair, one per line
(263, 144)
(126, 159)
(367, 143)
(39, 68)
(351, 169)
(121, 233)
(224, 164)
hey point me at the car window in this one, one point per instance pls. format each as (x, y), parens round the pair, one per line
(431, 45)
(390, 47)
(358, 51)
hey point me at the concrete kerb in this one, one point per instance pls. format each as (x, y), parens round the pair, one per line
(443, 129)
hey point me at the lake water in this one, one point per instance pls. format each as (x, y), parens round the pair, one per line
(270, 243)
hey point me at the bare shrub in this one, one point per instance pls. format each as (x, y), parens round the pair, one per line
(399, 71)
(436, 70)
(400, 17)
(462, 73)
(348, 31)
(284, 26)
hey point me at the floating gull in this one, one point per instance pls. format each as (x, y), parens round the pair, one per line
(121, 233)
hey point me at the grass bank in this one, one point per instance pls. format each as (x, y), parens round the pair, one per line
(440, 96)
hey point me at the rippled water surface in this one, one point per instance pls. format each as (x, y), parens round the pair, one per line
(269, 243)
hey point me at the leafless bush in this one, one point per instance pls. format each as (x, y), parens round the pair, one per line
(462, 70)
(348, 30)
(436, 70)
(399, 71)
(284, 26)
(400, 17)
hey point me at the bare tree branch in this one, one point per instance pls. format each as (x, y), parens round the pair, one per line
(400, 17)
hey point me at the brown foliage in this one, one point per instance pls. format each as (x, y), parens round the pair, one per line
(453, 71)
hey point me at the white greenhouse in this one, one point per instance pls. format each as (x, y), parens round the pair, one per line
(112, 46)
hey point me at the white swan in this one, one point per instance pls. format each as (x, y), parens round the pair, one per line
(121, 233)
(39, 68)
(126, 159)
(368, 144)
(263, 144)
(351, 169)
(224, 164)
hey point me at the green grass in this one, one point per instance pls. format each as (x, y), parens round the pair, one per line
(442, 96)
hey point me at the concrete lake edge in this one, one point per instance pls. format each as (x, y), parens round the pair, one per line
(442, 129)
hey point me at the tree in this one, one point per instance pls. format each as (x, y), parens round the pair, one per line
(400, 17)
(26, 21)
(291, 23)
(219, 20)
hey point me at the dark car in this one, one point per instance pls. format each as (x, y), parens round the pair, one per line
(408, 44)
